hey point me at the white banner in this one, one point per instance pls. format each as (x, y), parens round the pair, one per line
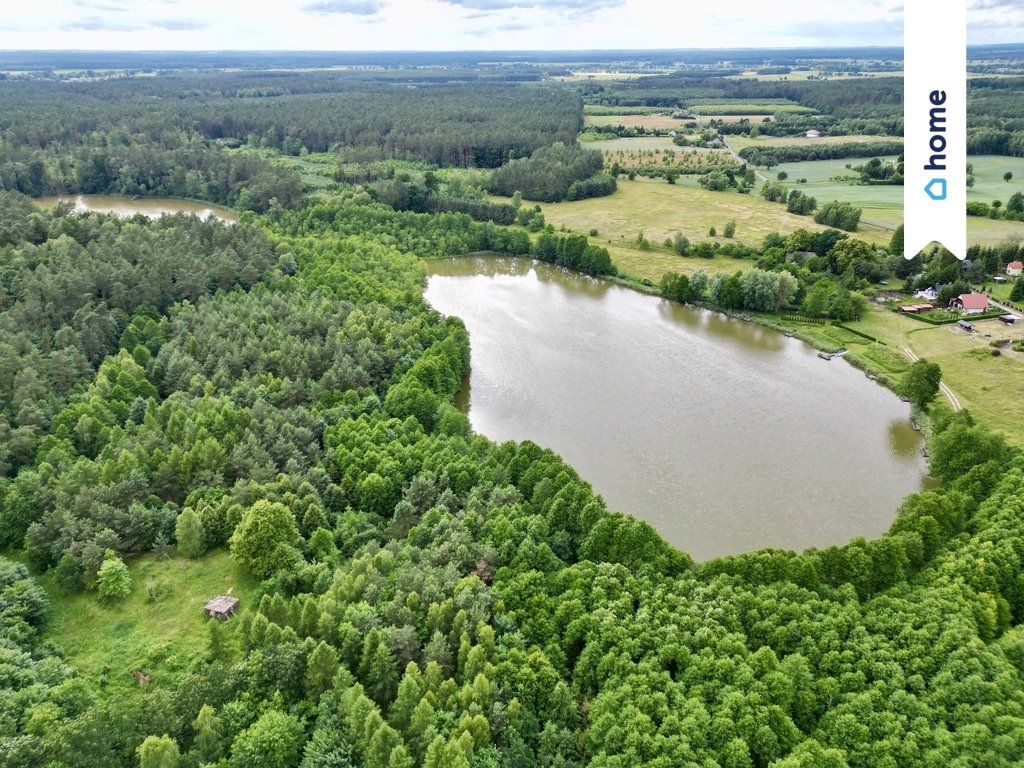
(935, 125)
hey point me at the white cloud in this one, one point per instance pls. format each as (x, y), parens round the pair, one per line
(471, 24)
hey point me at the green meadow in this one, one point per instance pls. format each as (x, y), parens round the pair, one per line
(158, 630)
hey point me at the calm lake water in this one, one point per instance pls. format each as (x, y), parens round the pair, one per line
(724, 435)
(152, 207)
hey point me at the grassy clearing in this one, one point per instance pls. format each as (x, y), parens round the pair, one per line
(659, 210)
(159, 638)
(653, 264)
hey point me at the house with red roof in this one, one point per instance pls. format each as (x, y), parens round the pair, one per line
(970, 303)
(1014, 268)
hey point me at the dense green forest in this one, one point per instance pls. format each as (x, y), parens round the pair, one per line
(278, 390)
(430, 597)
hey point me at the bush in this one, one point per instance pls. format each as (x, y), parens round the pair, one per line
(113, 582)
(841, 215)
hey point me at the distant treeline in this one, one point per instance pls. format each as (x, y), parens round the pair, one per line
(448, 125)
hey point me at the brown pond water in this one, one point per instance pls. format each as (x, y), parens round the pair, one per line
(724, 435)
(152, 207)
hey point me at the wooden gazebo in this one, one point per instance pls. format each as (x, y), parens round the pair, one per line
(221, 607)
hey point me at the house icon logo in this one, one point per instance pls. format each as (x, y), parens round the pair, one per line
(936, 189)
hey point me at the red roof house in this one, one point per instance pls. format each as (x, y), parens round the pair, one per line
(970, 303)
(1015, 267)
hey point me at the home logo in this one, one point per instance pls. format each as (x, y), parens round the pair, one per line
(935, 127)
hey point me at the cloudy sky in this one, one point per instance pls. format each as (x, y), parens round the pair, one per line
(471, 24)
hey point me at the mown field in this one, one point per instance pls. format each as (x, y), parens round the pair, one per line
(984, 384)
(157, 637)
(989, 184)
(659, 210)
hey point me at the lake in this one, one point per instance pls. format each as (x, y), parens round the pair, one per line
(153, 207)
(724, 435)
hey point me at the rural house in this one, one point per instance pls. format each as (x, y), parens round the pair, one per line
(970, 303)
(931, 293)
(1014, 268)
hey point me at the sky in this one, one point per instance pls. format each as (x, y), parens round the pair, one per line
(472, 24)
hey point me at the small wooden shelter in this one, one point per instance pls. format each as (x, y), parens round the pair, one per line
(221, 607)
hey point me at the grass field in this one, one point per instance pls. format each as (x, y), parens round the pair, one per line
(653, 264)
(659, 209)
(729, 119)
(748, 108)
(988, 177)
(883, 205)
(804, 74)
(738, 142)
(637, 144)
(603, 109)
(158, 638)
(683, 158)
(988, 386)
(647, 122)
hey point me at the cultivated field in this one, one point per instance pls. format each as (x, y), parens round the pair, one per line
(662, 122)
(637, 144)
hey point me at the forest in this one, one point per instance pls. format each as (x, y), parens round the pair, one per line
(430, 597)
(277, 392)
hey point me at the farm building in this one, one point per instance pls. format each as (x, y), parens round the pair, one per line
(913, 309)
(1014, 268)
(221, 607)
(965, 325)
(813, 134)
(1008, 319)
(970, 303)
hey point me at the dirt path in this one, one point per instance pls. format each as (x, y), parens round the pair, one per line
(954, 401)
